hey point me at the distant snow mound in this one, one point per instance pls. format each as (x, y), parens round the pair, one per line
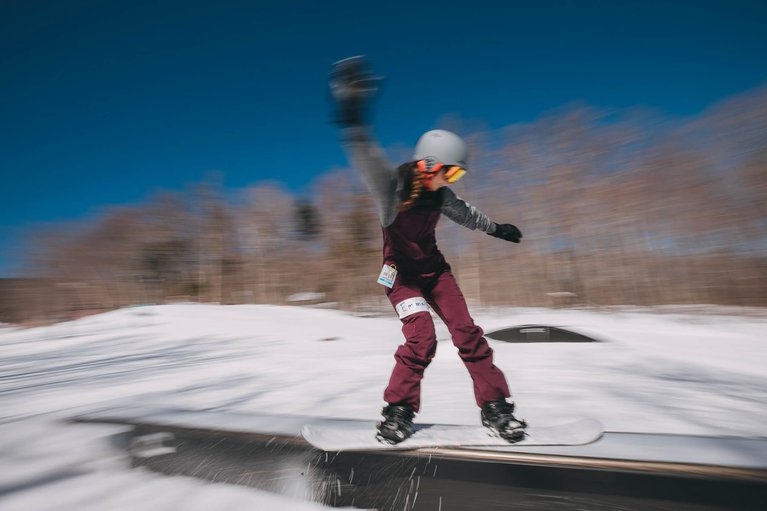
(538, 333)
(305, 297)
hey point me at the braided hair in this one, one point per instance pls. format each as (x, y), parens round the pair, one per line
(417, 174)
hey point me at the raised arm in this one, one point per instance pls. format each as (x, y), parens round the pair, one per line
(353, 87)
(379, 176)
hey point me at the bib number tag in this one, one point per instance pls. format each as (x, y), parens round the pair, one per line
(387, 276)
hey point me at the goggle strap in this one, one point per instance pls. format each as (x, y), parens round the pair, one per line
(423, 166)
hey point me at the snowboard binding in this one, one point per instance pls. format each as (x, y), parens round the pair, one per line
(498, 417)
(397, 424)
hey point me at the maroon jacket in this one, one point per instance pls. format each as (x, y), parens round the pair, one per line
(410, 242)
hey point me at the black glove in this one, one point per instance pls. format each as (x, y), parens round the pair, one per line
(507, 232)
(352, 87)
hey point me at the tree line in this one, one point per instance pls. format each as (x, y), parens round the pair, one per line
(616, 207)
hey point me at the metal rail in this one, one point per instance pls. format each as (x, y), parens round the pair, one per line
(444, 478)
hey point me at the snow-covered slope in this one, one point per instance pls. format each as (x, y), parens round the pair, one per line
(663, 373)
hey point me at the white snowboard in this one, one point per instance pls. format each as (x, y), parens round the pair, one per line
(347, 435)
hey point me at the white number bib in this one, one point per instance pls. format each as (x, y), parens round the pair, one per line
(410, 306)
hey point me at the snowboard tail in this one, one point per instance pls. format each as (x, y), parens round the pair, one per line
(347, 435)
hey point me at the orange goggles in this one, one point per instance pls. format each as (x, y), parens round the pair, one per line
(454, 173)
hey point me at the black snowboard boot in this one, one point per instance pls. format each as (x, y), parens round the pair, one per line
(397, 423)
(499, 417)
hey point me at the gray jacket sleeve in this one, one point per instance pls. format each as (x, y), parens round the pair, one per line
(380, 177)
(463, 213)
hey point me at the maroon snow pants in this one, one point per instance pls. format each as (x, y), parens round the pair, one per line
(412, 358)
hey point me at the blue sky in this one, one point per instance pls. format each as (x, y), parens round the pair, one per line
(106, 102)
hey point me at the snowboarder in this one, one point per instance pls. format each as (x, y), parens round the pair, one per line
(410, 200)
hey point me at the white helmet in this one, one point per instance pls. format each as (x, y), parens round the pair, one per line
(442, 146)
